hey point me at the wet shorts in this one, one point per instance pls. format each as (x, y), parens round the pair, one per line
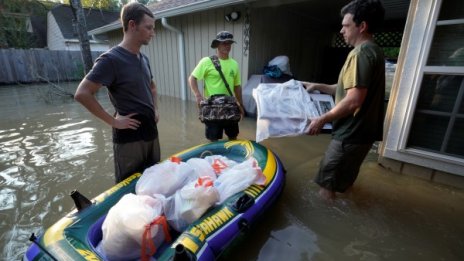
(214, 130)
(340, 166)
(133, 157)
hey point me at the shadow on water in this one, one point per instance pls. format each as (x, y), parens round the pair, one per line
(50, 145)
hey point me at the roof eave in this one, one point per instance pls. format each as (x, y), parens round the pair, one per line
(196, 7)
(176, 11)
(106, 28)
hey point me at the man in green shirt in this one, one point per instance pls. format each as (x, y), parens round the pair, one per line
(359, 95)
(214, 84)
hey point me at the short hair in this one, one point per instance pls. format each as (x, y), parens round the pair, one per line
(134, 11)
(369, 11)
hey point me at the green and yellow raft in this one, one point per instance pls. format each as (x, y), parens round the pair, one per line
(76, 236)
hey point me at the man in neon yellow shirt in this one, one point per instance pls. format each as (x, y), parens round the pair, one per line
(214, 84)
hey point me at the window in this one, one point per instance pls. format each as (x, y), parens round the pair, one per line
(438, 123)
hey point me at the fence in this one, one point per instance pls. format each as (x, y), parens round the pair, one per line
(40, 65)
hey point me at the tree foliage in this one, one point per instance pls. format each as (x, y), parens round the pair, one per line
(145, 2)
(110, 5)
(15, 18)
(15, 22)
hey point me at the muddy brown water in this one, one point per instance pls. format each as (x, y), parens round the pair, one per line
(50, 145)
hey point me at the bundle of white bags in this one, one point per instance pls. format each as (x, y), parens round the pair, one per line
(284, 109)
(179, 192)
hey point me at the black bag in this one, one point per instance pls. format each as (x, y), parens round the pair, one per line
(220, 107)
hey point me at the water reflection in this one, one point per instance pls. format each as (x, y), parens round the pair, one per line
(46, 149)
(294, 242)
(50, 147)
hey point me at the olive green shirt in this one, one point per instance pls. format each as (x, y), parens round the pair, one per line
(363, 68)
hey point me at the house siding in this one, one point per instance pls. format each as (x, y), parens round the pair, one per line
(436, 176)
(199, 29)
(55, 39)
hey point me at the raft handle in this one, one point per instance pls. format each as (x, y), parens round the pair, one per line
(243, 203)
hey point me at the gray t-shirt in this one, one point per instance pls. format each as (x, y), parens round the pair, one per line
(128, 79)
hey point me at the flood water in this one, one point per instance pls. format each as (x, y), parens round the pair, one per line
(50, 145)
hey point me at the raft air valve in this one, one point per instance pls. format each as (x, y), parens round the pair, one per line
(183, 254)
(80, 200)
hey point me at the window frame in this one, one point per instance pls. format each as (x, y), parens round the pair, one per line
(417, 40)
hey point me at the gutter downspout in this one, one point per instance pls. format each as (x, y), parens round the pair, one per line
(182, 65)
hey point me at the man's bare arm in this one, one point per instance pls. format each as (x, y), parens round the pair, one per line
(349, 105)
(194, 87)
(238, 96)
(85, 94)
(322, 87)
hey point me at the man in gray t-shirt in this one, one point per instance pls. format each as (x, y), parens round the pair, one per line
(127, 75)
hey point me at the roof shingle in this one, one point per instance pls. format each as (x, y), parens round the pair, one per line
(94, 18)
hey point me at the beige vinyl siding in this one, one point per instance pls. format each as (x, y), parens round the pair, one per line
(269, 26)
(198, 29)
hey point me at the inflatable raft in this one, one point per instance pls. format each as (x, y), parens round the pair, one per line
(76, 236)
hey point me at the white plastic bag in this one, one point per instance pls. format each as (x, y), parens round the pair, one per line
(124, 227)
(282, 62)
(220, 163)
(238, 178)
(164, 178)
(190, 202)
(202, 167)
(283, 110)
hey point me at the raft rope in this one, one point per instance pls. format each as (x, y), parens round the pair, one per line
(33, 239)
(206, 153)
(147, 238)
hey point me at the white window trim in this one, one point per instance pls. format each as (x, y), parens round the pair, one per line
(419, 29)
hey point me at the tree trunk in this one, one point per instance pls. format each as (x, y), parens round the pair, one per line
(81, 28)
